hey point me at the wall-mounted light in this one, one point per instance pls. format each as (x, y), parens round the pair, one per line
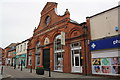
(116, 28)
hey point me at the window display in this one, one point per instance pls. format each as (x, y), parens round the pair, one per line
(115, 61)
(96, 61)
(96, 69)
(109, 65)
(105, 61)
(116, 69)
(58, 53)
(106, 69)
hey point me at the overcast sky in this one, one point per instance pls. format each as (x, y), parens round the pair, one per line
(18, 18)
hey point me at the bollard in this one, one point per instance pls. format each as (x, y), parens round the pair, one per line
(31, 69)
(14, 66)
(18, 66)
(1, 70)
(49, 73)
(21, 67)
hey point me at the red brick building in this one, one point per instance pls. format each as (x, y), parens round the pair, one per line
(59, 43)
(5, 55)
(1, 55)
(9, 54)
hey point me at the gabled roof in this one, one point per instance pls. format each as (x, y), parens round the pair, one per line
(1, 48)
(12, 44)
(48, 5)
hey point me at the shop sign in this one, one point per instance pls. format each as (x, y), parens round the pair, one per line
(63, 38)
(14, 52)
(50, 29)
(107, 43)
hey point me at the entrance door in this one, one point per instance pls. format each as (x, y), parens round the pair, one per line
(76, 66)
(46, 58)
(76, 61)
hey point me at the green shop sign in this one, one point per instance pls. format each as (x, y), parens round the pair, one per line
(19, 56)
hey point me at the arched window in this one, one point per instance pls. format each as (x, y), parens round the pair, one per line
(58, 54)
(46, 41)
(37, 47)
(37, 54)
(47, 20)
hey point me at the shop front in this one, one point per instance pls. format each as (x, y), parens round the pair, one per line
(105, 56)
(9, 61)
(21, 59)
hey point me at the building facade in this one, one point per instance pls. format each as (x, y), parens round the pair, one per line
(105, 42)
(11, 54)
(21, 53)
(1, 55)
(59, 43)
(5, 55)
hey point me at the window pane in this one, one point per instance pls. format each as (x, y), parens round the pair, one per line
(76, 51)
(73, 58)
(58, 55)
(37, 60)
(76, 61)
(76, 44)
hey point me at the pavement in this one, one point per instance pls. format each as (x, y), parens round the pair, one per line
(9, 73)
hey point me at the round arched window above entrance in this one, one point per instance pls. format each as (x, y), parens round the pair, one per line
(46, 41)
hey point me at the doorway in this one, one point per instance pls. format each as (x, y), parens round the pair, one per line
(76, 62)
(46, 59)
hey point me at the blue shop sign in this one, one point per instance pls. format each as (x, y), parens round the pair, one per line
(107, 43)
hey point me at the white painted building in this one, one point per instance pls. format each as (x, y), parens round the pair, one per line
(21, 53)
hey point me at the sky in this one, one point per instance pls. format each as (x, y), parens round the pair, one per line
(18, 18)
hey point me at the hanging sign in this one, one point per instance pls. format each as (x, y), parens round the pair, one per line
(63, 38)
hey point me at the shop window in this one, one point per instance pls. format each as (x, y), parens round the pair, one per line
(76, 50)
(38, 54)
(38, 48)
(106, 65)
(58, 53)
(77, 44)
(76, 61)
(37, 60)
(30, 60)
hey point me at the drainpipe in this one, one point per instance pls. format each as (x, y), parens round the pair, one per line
(85, 52)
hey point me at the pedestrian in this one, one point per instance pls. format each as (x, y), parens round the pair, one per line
(14, 66)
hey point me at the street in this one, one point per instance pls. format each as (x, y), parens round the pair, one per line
(16, 74)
